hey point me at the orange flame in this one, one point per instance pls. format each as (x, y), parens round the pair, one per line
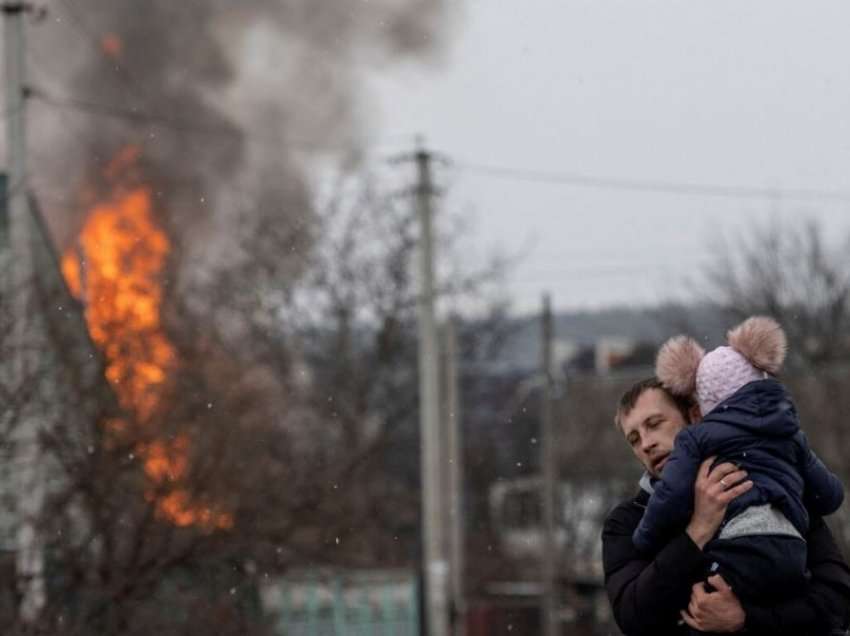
(123, 253)
(116, 271)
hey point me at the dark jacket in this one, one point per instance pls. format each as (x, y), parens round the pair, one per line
(758, 429)
(648, 591)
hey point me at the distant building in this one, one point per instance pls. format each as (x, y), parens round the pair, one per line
(316, 601)
(611, 355)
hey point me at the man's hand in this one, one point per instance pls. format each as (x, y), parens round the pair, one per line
(718, 612)
(712, 493)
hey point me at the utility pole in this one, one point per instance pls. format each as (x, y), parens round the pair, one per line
(548, 464)
(14, 48)
(432, 458)
(30, 556)
(453, 423)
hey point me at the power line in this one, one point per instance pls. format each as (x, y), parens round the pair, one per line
(182, 126)
(652, 186)
(150, 117)
(131, 115)
(249, 194)
(71, 127)
(9, 112)
(63, 105)
(124, 73)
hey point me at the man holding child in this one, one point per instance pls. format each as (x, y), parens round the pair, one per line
(730, 538)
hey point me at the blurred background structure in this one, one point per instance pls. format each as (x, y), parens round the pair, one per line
(269, 364)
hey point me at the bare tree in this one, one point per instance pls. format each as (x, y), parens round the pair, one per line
(796, 274)
(284, 435)
(801, 277)
(345, 336)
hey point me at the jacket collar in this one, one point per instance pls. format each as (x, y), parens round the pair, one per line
(646, 489)
(646, 483)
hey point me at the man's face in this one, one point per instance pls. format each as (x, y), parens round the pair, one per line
(650, 428)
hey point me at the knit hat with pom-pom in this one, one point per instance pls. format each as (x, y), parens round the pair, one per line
(757, 347)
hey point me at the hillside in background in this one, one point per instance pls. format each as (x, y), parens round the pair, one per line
(643, 325)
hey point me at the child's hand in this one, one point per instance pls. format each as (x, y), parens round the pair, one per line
(713, 490)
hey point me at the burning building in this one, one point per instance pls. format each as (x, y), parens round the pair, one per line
(53, 391)
(116, 269)
(169, 129)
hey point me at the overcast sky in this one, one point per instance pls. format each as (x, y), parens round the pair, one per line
(751, 94)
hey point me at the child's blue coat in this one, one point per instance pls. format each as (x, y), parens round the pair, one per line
(758, 429)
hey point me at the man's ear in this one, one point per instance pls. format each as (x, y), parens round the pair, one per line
(694, 414)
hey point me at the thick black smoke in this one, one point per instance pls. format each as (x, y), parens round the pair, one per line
(229, 101)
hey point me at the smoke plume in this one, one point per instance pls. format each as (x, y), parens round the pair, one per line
(230, 103)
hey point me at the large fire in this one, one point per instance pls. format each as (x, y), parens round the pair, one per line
(116, 270)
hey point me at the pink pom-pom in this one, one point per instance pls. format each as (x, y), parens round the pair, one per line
(761, 341)
(677, 363)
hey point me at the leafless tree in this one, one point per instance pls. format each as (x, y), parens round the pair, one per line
(796, 274)
(286, 432)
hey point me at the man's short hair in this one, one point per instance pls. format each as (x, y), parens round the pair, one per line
(630, 398)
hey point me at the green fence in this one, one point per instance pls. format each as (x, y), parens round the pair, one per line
(383, 603)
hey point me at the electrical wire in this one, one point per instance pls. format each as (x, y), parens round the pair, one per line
(649, 186)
